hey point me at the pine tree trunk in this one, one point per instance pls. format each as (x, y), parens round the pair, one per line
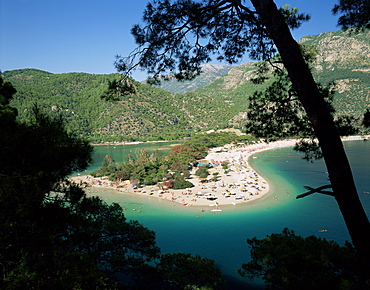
(340, 173)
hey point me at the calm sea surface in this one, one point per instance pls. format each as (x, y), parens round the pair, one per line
(120, 152)
(222, 235)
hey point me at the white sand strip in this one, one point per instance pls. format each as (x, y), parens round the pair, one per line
(238, 184)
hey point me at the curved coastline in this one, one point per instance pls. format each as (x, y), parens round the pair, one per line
(242, 184)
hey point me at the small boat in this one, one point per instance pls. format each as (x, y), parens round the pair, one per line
(323, 231)
(216, 209)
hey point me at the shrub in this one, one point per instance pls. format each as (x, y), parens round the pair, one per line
(202, 172)
(225, 165)
(180, 183)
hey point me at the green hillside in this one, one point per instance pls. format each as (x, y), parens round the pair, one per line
(151, 114)
(155, 114)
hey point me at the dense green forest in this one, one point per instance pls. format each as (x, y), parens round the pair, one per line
(150, 114)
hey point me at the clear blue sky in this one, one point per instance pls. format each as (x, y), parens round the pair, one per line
(62, 36)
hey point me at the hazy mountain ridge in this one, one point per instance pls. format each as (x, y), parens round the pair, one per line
(210, 72)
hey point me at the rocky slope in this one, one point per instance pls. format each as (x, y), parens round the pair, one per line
(343, 57)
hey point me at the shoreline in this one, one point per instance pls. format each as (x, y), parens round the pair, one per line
(238, 185)
(133, 142)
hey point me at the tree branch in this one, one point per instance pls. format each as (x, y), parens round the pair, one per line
(316, 190)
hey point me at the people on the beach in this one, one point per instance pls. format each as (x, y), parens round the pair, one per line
(235, 183)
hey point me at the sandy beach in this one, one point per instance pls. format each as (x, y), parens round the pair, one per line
(240, 183)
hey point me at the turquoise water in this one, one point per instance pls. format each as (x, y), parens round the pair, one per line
(222, 235)
(119, 152)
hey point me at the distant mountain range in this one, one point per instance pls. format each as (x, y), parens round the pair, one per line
(210, 72)
(217, 99)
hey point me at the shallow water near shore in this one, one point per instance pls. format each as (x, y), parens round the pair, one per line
(119, 152)
(222, 235)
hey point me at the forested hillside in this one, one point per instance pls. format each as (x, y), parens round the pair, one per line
(155, 114)
(151, 114)
(75, 95)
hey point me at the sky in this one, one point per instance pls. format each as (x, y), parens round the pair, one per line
(61, 36)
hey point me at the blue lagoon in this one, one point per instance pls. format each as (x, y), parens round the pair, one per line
(222, 235)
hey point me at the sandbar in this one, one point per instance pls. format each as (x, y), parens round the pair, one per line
(240, 183)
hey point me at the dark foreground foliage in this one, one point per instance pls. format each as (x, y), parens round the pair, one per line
(288, 261)
(53, 236)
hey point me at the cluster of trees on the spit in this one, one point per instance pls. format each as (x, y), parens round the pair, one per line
(169, 171)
